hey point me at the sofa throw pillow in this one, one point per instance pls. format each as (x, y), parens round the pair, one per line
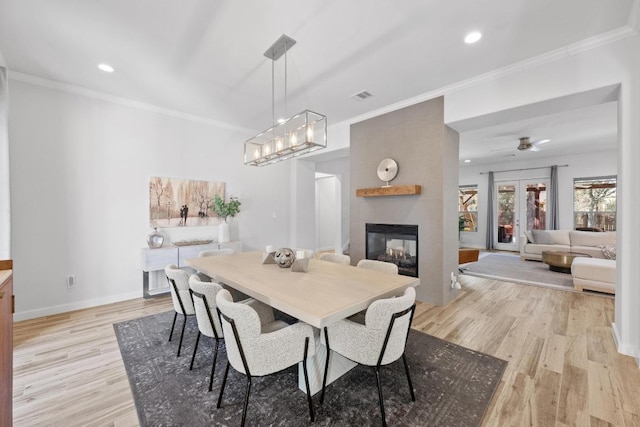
(608, 251)
(529, 236)
(541, 237)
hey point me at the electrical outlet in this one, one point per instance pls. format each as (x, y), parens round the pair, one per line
(71, 281)
(454, 282)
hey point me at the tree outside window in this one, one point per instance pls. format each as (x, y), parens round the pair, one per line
(594, 203)
(468, 208)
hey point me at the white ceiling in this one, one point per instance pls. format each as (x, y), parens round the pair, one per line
(205, 57)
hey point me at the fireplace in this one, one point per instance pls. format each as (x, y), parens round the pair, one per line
(394, 243)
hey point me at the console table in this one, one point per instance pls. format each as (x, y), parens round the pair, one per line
(158, 259)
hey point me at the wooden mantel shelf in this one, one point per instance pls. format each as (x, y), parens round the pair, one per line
(395, 190)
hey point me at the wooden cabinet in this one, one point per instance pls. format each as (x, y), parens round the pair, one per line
(6, 343)
(158, 259)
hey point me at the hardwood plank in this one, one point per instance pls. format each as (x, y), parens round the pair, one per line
(574, 391)
(604, 402)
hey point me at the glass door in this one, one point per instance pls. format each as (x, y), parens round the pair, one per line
(520, 206)
(505, 227)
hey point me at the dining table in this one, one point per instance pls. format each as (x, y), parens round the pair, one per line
(323, 294)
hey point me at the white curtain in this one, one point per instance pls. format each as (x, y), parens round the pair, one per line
(5, 208)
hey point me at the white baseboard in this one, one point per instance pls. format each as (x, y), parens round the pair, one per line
(624, 349)
(78, 305)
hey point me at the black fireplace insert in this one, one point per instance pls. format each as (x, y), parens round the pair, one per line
(394, 243)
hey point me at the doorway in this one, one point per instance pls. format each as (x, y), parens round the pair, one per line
(328, 213)
(520, 205)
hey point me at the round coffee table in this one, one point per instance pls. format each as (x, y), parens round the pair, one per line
(561, 261)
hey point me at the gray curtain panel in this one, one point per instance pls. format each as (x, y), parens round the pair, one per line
(552, 201)
(490, 203)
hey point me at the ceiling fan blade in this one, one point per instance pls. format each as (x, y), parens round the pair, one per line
(534, 148)
(541, 141)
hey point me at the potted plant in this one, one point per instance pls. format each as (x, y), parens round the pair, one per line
(462, 222)
(225, 210)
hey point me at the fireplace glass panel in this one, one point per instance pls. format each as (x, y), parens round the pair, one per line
(394, 243)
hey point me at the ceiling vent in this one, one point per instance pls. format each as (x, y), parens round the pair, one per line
(361, 96)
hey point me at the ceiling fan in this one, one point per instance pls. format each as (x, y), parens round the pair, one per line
(526, 145)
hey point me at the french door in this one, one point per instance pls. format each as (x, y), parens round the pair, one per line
(520, 205)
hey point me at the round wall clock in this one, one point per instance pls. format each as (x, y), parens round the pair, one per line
(387, 170)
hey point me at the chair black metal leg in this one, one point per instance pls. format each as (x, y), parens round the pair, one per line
(195, 348)
(184, 323)
(224, 382)
(246, 401)
(306, 379)
(326, 365)
(384, 420)
(175, 316)
(406, 368)
(213, 366)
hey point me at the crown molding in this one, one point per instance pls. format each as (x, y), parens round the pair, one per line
(634, 16)
(81, 91)
(535, 61)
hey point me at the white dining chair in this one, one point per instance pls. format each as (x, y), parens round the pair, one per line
(337, 258)
(380, 341)
(385, 267)
(182, 303)
(258, 350)
(204, 302)
(308, 253)
(216, 252)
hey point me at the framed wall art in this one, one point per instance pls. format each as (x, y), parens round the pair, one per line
(181, 202)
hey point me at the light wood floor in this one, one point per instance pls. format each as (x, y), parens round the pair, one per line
(563, 368)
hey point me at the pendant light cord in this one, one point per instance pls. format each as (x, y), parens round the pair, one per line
(285, 80)
(273, 93)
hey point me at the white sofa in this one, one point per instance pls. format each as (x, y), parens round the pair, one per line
(584, 242)
(597, 273)
(594, 274)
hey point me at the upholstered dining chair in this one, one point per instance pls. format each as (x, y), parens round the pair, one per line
(216, 252)
(237, 295)
(308, 253)
(204, 302)
(258, 350)
(385, 267)
(182, 303)
(380, 341)
(337, 258)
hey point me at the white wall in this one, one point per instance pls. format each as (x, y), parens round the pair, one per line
(5, 193)
(574, 72)
(80, 170)
(580, 166)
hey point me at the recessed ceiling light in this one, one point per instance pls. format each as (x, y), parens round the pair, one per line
(473, 37)
(467, 161)
(281, 120)
(106, 68)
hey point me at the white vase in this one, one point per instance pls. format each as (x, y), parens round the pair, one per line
(223, 232)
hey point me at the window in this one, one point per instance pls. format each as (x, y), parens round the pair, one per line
(468, 207)
(594, 203)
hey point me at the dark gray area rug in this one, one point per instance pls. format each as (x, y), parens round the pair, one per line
(511, 268)
(453, 385)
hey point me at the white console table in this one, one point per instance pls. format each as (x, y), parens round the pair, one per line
(158, 259)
